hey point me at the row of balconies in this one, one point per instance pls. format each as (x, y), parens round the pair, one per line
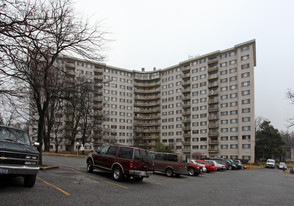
(147, 130)
(147, 97)
(152, 137)
(147, 124)
(147, 91)
(149, 104)
(147, 84)
(146, 117)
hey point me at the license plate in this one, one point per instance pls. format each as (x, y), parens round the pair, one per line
(3, 171)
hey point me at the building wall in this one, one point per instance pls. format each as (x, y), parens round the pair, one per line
(206, 103)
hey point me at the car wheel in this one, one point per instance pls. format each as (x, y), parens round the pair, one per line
(90, 166)
(230, 168)
(117, 174)
(191, 171)
(29, 180)
(169, 172)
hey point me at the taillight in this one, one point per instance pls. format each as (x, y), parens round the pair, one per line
(131, 164)
(179, 166)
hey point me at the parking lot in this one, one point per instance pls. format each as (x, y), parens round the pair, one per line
(72, 185)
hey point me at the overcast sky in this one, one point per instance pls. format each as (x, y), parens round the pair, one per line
(162, 33)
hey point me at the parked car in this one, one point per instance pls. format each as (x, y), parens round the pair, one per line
(194, 169)
(230, 165)
(282, 166)
(170, 163)
(239, 164)
(220, 166)
(209, 167)
(18, 156)
(121, 161)
(270, 163)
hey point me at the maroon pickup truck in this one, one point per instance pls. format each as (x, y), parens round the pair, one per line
(121, 161)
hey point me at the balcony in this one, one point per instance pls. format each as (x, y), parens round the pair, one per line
(186, 90)
(213, 142)
(213, 84)
(187, 128)
(156, 110)
(187, 97)
(187, 135)
(186, 120)
(213, 150)
(187, 105)
(186, 113)
(186, 69)
(146, 117)
(186, 83)
(213, 101)
(98, 71)
(186, 76)
(187, 151)
(151, 84)
(212, 61)
(213, 125)
(213, 92)
(213, 134)
(149, 104)
(213, 117)
(147, 97)
(186, 143)
(99, 99)
(213, 109)
(146, 124)
(147, 130)
(212, 69)
(212, 77)
(147, 91)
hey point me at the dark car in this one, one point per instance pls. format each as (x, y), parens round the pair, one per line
(239, 164)
(18, 157)
(230, 165)
(121, 161)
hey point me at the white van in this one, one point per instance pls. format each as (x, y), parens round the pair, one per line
(270, 163)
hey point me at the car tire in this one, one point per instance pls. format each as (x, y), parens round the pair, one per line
(29, 180)
(191, 171)
(169, 172)
(117, 174)
(90, 166)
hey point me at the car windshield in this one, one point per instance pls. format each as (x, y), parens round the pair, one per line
(13, 135)
(271, 161)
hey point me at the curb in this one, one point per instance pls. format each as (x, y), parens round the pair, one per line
(47, 167)
(65, 155)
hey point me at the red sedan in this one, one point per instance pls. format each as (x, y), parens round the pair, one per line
(209, 167)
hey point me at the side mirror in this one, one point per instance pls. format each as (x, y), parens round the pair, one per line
(98, 150)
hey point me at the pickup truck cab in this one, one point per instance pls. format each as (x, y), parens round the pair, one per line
(270, 163)
(121, 161)
(18, 157)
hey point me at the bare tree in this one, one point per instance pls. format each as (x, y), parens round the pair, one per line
(33, 35)
(290, 96)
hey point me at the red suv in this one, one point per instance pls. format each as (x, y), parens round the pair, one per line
(122, 161)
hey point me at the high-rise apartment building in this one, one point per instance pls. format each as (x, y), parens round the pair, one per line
(204, 105)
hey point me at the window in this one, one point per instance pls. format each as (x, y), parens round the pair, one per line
(224, 146)
(234, 146)
(246, 92)
(223, 56)
(195, 147)
(224, 121)
(245, 66)
(246, 119)
(202, 69)
(203, 76)
(112, 151)
(203, 146)
(224, 64)
(245, 84)
(232, 87)
(224, 138)
(224, 72)
(246, 101)
(245, 48)
(233, 62)
(233, 70)
(233, 53)
(224, 80)
(233, 104)
(224, 129)
(234, 121)
(233, 112)
(246, 110)
(234, 129)
(125, 152)
(234, 78)
(246, 74)
(224, 105)
(245, 146)
(245, 57)
(246, 128)
(246, 137)
(224, 88)
(225, 113)
(234, 95)
(223, 97)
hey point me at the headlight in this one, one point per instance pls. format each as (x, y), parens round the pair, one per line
(28, 157)
(34, 157)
